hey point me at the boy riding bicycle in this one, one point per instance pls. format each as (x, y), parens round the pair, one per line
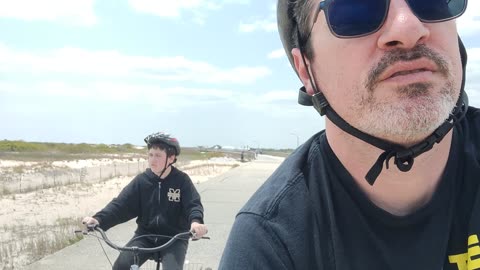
(164, 201)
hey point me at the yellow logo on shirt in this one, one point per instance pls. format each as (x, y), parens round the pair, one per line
(469, 260)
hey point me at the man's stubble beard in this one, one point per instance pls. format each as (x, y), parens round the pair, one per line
(416, 114)
(415, 110)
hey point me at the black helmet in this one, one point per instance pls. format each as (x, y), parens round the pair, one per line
(163, 138)
(286, 26)
(288, 30)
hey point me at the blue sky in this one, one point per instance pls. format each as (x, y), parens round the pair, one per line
(113, 71)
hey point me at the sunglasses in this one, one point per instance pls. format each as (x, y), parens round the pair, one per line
(356, 18)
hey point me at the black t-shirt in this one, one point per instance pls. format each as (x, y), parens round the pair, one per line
(433, 237)
(310, 214)
(375, 239)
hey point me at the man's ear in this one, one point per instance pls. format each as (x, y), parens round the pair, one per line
(302, 70)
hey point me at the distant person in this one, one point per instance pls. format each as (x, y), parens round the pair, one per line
(164, 201)
(393, 182)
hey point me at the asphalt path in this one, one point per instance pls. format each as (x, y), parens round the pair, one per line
(222, 198)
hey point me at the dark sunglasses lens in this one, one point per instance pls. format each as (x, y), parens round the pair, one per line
(349, 18)
(437, 10)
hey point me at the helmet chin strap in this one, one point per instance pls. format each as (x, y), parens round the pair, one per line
(166, 167)
(403, 157)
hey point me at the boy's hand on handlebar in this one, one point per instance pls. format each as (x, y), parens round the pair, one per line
(198, 229)
(90, 222)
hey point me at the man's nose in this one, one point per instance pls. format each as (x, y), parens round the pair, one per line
(402, 29)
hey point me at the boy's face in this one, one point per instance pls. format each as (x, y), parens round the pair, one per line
(156, 160)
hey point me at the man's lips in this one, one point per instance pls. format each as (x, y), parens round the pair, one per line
(408, 69)
(406, 72)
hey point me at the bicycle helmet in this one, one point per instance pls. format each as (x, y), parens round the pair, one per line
(286, 25)
(403, 157)
(163, 138)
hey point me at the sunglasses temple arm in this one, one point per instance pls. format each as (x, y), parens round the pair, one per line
(320, 7)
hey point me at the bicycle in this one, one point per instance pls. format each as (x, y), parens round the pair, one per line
(138, 250)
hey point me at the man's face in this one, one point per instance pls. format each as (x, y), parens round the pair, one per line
(399, 83)
(156, 160)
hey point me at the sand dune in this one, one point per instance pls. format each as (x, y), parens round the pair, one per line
(60, 208)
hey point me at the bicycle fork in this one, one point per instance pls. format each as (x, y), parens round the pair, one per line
(135, 266)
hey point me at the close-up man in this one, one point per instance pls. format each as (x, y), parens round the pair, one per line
(392, 181)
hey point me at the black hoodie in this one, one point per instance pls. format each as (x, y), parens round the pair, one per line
(162, 206)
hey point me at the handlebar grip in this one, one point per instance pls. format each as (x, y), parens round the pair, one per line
(91, 227)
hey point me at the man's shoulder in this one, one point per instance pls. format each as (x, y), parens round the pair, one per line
(473, 116)
(286, 187)
(471, 126)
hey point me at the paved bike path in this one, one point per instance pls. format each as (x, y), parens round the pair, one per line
(222, 198)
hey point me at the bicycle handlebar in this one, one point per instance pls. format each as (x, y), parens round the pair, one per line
(139, 250)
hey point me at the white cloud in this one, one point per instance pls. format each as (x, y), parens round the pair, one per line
(113, 94)
(269, 24)
(274, 96)
(121, 91)
(279, 53)
(472, 85)
(170, 8)
(175, 9)
(469, 22)
(77, 12)
(114, 64)
(278, 103)
(263, 25)
(474, 61)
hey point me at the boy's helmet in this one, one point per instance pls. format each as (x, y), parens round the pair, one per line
(163, 138)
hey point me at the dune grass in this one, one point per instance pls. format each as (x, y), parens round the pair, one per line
(27, 243)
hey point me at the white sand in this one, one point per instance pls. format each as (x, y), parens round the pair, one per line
(47, 206)
(77, 164)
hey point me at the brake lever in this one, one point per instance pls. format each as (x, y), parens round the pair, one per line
(81, 231)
